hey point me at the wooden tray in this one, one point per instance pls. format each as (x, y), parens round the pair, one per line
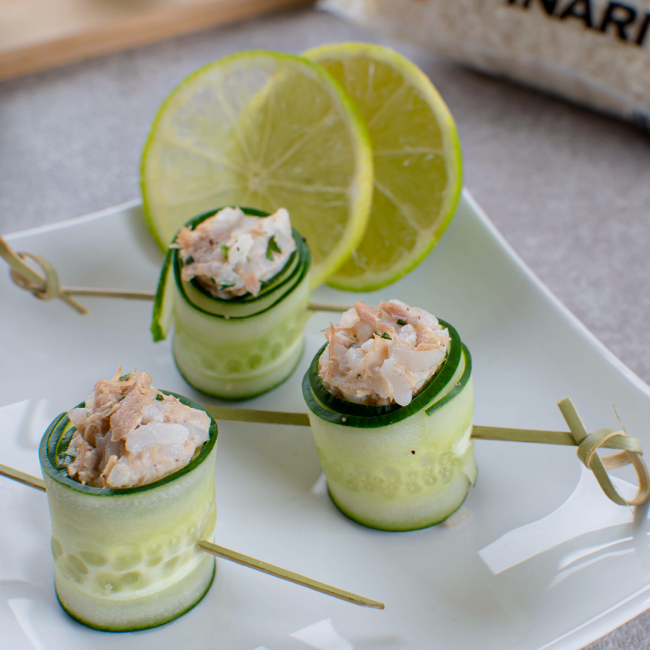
(40, 34)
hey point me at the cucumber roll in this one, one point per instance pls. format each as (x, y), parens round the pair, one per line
(238, 299)
(130, 486)
(391, 405)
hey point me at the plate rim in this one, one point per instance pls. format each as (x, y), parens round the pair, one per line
(611, 619)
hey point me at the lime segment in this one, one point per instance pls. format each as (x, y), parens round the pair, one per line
(264, 130)
(417, 161)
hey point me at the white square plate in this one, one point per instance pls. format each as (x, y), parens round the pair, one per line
(521, 570)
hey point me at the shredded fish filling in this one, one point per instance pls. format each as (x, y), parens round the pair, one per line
(130, 434)
(231, 254)
(382, 356)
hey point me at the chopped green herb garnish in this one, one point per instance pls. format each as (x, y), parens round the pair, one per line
(385, 336)
(226, 285)
(159, 397)
(401, 321)
(189, 260)
(272, 248)
(213, 281)
(224, 251)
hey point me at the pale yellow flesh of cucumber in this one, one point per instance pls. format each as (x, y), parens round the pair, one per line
(130, 562)
(404, 476)
(240, 358)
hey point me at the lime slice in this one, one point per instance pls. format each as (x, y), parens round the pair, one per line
(417, 161)
(263, 130)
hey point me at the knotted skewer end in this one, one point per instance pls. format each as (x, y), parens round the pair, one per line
(588, 445)
(43, 287)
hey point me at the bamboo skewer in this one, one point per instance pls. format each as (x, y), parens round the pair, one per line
(46, 286)
(89, 292)
(577, 436)
(629, 448)
(325, 306)
(233, 556)
(589, 443)
(21, 477)
(290, 576)
(234, 414)
(537, 436)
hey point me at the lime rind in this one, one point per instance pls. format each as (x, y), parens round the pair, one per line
(450, 150)
(357, 195)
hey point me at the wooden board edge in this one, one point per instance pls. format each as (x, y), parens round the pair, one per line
(138, 30)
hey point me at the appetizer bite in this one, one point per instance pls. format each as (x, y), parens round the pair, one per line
(391, 405)
(239, 301)
(129, 475)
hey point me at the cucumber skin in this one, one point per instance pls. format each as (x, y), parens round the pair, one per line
(240, 358)
(163, 306)
(374, 479)
(142, 543)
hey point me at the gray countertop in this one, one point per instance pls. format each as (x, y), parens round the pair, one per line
(569, 189)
